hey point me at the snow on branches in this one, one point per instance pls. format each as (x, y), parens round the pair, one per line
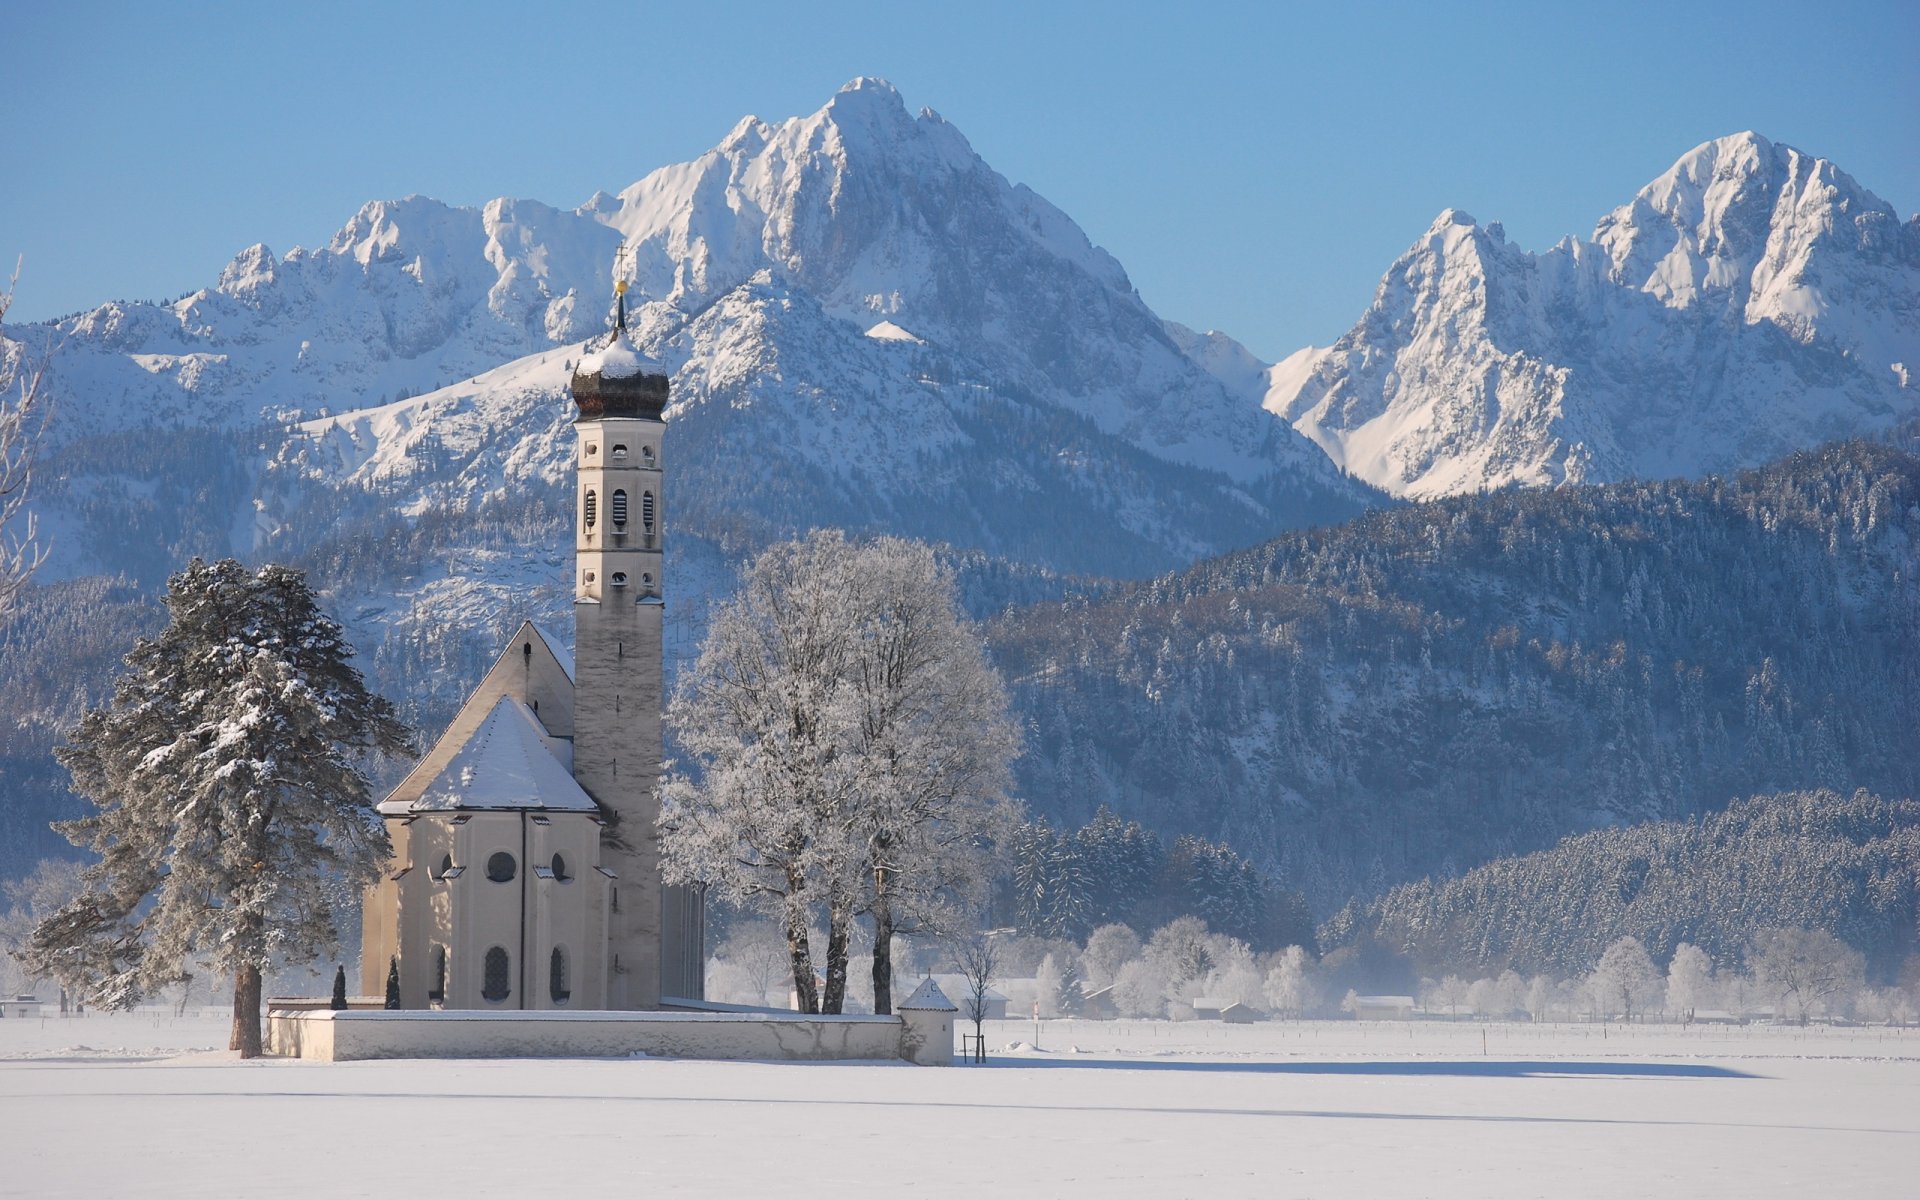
(852, 747)
(231, 819)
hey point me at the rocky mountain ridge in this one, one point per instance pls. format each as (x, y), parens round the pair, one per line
(1751, 301)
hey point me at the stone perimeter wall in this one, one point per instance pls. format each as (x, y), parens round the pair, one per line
(923, 1037)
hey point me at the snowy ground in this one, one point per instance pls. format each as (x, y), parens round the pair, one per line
(145, 1105)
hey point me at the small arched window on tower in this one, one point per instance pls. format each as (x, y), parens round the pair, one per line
(444, 869)
(620, 509)
(561, 871)
(646, 512)
(646, 455)
(619, 453)
(592, 508)
(493, 984)
(557, 983)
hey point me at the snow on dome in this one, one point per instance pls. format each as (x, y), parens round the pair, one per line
(928, 996)
(620, 359)
(887, 331)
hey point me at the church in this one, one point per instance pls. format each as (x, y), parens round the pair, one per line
(526, 857)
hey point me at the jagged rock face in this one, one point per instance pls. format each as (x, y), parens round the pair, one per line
(1751, 301)
(847, 295)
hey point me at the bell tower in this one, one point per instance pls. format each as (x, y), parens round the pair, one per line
(654, 933)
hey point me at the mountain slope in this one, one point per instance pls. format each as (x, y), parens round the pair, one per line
(1434, 685)
(1751, 301)
(1853, 870)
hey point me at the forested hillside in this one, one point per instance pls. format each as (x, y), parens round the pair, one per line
(1432, 686)
(1799, 860)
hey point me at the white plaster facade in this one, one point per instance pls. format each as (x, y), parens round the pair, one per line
(527, 834)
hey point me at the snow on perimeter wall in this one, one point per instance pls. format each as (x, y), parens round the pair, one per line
(922, 1037)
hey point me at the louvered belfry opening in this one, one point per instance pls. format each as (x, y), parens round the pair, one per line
(620, 508)
(593, 508)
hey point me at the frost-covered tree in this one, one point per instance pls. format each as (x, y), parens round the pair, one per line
(1182, 951)
(1109, 948)
(1689, 981)
(1140, 989)
(934, 748)
(1625, 981)
(232, 822)
(48, 888)
(1803, 970)
(851, 750)
(1050, 983)
(1288, 989)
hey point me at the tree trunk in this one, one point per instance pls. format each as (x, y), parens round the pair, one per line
(882, 946)
(835, 999)
(800, 956)
(246, 1011)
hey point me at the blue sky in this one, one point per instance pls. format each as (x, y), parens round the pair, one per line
(1254, 166)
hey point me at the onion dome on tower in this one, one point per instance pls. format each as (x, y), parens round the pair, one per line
(618, 379)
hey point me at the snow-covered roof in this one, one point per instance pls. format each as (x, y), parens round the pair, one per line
(561, 654)
(928, 996)
(620, 359)
(508, 763)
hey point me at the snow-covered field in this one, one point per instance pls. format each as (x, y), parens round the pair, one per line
(145, 1105)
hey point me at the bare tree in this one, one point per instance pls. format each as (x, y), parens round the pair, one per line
(978, 961)
(22, 416)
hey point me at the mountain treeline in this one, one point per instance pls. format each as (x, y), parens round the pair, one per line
(1067, 883)
(1436, 685)
(1845, 865)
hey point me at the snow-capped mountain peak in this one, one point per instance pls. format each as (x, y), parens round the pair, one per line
(1751, 300)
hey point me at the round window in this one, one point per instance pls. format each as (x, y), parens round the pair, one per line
(560, 870)
(500, 867)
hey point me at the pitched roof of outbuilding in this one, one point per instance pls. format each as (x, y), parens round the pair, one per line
(508, 762)
(928, 996)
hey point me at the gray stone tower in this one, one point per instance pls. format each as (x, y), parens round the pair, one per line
(654, 932)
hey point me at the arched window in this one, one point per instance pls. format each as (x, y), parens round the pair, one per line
(619, 579)
(620, 508)
(560, 870)
(437, 984)
(619, 452)
(646, 511)
(500, 868)
(494, 985)
(557, 984)
(646, 455)
(593, 508)
(446, 865)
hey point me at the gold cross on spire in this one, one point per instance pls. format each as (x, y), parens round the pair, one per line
(622, 257)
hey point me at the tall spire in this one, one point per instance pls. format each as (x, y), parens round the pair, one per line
(622, 275)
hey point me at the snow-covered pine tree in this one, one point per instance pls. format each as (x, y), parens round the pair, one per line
(231, 819)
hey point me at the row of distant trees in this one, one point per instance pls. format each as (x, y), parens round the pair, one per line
(1795, 975)
(1787, 974)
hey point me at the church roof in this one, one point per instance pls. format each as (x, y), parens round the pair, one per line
(558, 649)
(508, 762)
